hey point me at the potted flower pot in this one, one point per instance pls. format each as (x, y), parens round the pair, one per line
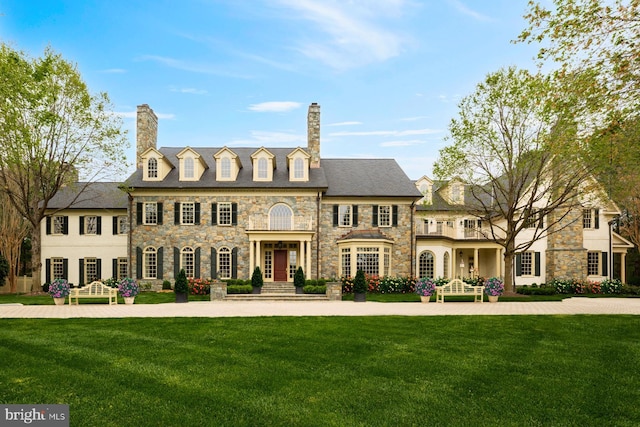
(425, 298)
(181, 287)
(59, 301)
(493, 298)
(257, 281)
(359, 287)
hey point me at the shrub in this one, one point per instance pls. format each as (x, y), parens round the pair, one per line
(309, 289)
(399, 285)
(347, 284)
(630, 290)
(199, 287)
(425, 287)
(239, 289)
(373, 283)
(474, 281)
(322, 282)
(112, 282)
(298, 278)
(360, 284)
(611, 286)
(535, 290)
(166, 285)
(181, 285)
(256, 278)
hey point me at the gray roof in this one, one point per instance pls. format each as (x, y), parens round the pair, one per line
(90, 195)
(367, 178)
(339, 177)
(245, 176)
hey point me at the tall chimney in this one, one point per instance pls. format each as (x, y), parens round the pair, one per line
(313, 134)
(146, 131)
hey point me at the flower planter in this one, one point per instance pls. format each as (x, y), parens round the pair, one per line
(299, 290)
(129, 300)
(182, 297)
(493, 298)
(425, 299)
(256, 290)
(360, 297)
(59, 301)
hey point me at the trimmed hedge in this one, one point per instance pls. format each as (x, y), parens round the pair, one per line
(239, 289)
(310, 289)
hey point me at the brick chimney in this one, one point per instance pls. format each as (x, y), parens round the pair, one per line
(313, 134)
(146, 131)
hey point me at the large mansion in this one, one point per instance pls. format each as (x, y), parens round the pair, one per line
(219, 212)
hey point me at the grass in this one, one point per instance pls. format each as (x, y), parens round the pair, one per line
(336, 371)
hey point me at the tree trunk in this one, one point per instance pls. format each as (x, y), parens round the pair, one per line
(36, 262)
(509, 285)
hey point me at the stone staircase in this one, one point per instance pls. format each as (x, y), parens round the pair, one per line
(277, 291)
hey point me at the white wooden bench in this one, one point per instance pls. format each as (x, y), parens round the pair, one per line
(458, 287)
(94, 290)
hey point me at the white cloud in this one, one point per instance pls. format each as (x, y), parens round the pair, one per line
(274, 106)
(353, 32)
(345, 124)
(395, 133)
(462, 8)
(193, 67)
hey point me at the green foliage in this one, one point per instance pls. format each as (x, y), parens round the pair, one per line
(181, 285)
(535, 290)
(298, 278)
(166, 285)
(310, 289)
(256, 278)
(239, 289)
(359, 283)
(4, 269)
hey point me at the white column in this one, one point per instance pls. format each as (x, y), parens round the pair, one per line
(252, 260)
(259, 256)
(623, 270)
(307, 252)
(475, 260)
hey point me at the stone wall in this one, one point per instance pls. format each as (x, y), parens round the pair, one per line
(313, 134)
(146, 131)
(566, 257)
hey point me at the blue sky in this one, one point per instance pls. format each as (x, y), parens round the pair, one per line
(388, 74)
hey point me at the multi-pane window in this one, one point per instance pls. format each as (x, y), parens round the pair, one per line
(187, 261)
(526, 263)
(90, 270)
(123, 225)
(384, 216)
(455, 193)
(189, 171)
(90, 225)
(268, 264)
(58, 224)
(346, 262)
(344, 215)
(593, 263)
(368, 260)
(280, 217)
(426, 265)
(57, 268)
(225, 167)
(587, 218)
(224, 263)
(445, 265)
(123, 269)
(262, 168)
(150, 263)
(150, 213)
(298, 168)
(293, 262)
(224, 213)
(188, 214)
(152, 168)
(387, 261)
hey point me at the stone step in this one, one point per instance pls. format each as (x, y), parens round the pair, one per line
(278, 288)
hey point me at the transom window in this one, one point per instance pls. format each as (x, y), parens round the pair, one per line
(384, 216)
(280, 217)
(224, 213)
(426, 265)
(150, 213)
(344, 215)
(189, 171)
(150, 263)
(187, 259)
(262, 168)
(152, 168)
(224, 263)
(90, 225)
(593, 263)
(187, 214)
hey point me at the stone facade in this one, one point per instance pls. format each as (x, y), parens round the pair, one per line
(146, 131)
(566, 257)
(313, 134)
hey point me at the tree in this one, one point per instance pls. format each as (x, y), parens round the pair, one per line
(515, 145)
(13, 230)
(51, 130)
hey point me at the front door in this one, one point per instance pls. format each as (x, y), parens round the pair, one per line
(280, 266)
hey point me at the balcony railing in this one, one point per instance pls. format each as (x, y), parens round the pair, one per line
(447, 229)
(293, 223)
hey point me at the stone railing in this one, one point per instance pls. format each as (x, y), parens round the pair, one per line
(295, 223)
(334, 291)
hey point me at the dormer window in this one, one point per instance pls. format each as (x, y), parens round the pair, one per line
(298, 164)
(298, 168)
(188, 166)
(152, 168)
(455, 193)
(264, 163)
(225, 168)
(262, 168)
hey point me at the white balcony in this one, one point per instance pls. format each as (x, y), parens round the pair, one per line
(291, 223)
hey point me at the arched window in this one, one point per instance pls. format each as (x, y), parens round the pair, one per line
(188, 167)
(187, 261)
(445, 265)
(150, 262)
(280, 217)
(225, 167)
(262, 168)
(224, 263)
(298, 168)
(152, 168)
(426, 265)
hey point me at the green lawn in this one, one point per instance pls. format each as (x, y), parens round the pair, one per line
(368, 371)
